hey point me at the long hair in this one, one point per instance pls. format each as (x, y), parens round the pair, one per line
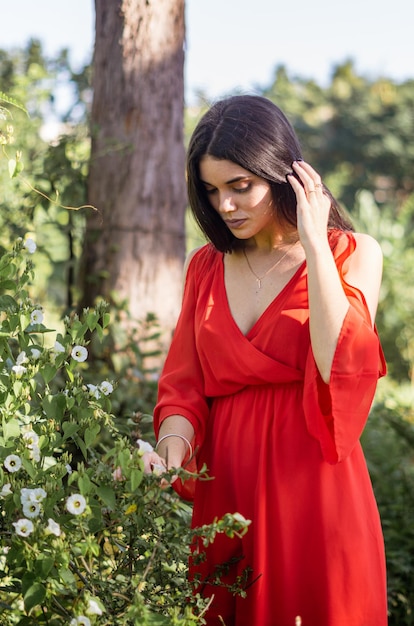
(254, 133)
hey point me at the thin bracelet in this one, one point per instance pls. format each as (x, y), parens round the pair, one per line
(175, 435)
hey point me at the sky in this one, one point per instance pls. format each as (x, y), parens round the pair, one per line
(237, 44)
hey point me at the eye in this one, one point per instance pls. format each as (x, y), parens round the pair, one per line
(210, 190)
(242, 189)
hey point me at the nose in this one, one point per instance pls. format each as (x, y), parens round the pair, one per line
(226, 204)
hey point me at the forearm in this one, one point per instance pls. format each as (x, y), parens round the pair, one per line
(328, 306)
(174, 448)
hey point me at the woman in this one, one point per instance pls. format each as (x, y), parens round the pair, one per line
(270, 378)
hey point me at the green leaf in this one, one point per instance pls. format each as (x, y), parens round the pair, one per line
(99, 331)
(11, 429)
(43, 566)
(17, 388)
(48, 372)
(28, 466)
(29, 578)
(106, 318)
(34, 595)
(69, 429)
(9, 100)
(37, 329)
(54, 407)
(90, 434)
(12, 168)
(7, 303)
(96, 523)
(84, 484)
(136, 478)
(67, 577)
(79, 442)
(92, 320)
(107, 496)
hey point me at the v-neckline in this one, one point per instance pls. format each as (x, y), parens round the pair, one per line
(278, 296)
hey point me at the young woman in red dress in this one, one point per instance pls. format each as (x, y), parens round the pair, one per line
(270, 377)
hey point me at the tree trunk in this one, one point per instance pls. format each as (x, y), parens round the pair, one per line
(135, 242)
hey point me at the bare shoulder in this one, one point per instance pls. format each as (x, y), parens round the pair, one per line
(364, 269)
(367, 255)
(368, 245)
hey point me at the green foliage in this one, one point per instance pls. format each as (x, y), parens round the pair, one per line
(86, 536)
(395, 318)
(54, 176)
(388, 442)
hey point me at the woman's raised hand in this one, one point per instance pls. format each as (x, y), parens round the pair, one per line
(313, 205)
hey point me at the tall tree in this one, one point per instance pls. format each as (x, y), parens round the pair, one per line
(135, 242)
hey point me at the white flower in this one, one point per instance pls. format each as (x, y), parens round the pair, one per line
(94, 391)
(12, 463)
(144, 446)
(32, 495)
(76, 504)
(25, 495)
(24, 527)
(79, 353)
(31, 438)
(68, 468)
(58, 348)
(36, 317)
(5, 490)
(30, 245)
(35, 352)
(21, 358)
(93, 608)
(39, 494)
(31, 508)
(19, 370)
(35, 454)
(106, 387)
(53, 528)
(81, 620)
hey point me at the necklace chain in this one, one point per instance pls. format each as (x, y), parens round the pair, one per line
(260, 278)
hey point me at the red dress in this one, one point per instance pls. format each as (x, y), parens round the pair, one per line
(283, 448)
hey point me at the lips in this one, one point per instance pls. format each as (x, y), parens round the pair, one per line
(232, 224)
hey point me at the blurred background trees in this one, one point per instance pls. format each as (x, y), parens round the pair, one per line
(356, 131)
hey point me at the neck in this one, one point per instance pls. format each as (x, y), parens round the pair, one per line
(270, 244)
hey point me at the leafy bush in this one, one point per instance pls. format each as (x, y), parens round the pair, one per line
(389, 446)
(86, 536)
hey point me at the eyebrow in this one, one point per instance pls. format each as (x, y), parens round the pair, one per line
(228, 182)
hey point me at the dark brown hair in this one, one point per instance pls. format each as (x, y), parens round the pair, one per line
(254, 133)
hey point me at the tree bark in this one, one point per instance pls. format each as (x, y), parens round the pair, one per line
(135, 242)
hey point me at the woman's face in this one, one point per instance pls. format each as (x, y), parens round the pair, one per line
(242, 199)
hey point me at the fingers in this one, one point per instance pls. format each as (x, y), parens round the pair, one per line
(153, 463)
(156, 465)
(311, 181)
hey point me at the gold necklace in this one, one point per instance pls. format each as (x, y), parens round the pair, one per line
(260, 278)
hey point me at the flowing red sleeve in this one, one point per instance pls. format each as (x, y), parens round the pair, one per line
(181, 385)
(336, 412)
